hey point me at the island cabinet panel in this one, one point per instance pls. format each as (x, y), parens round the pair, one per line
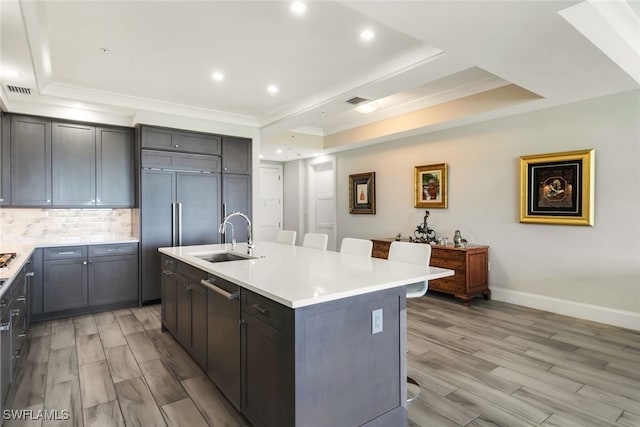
(470, 264)
(223, 340)
(169, 293)
(345, 374)
(191, 312)
(267, 362)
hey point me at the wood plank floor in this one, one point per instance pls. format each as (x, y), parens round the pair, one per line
(490, 364)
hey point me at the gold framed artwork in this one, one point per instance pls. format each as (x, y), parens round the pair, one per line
(557, 188)
(431, 186)
(362, 193)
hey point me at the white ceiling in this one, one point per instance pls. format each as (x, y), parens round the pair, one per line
(425, 54)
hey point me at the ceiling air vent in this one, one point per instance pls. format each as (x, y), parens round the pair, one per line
(356, 100)
(19, 89)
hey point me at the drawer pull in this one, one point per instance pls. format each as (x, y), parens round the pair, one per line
(167, 272)
(220, 291)
(66, 253)
(30, 274)
(261, 309)
(5, 327)
(21, 299)
(22, 335)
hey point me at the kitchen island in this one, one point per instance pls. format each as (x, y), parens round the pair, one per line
(295, 336)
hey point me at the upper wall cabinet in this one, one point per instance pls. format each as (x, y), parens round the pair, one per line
(236, 155)
(114, 167)
(65, 164)
(5, 159)
(184, 142)
(74, 165)
(30, 161)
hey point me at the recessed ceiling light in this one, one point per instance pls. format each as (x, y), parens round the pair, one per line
(272, 89)
(217, 76)
(279, 151)
(367, 108)
(367, 35)
(105, 50)
(298, 7)
(261, 156)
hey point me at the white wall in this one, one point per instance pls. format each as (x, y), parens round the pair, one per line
(590, 272)
(294, 190)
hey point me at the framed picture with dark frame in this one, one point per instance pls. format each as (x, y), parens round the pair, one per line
(557, 188)
(362, 193)
(430, 186)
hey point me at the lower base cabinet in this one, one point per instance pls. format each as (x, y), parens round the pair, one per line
(223, 337)
(267, 361)
(14, 326)
(80, 279)
(184, 307)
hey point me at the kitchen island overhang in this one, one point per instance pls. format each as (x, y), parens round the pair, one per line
(332, 368)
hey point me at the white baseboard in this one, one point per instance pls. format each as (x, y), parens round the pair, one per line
(596, 313)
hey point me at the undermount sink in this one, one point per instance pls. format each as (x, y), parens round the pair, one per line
(224, 257)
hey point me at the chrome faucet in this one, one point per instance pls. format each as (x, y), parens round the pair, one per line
(225, 221)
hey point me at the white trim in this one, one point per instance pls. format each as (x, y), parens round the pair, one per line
(596, 313)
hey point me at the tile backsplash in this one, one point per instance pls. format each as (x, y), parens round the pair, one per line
(64, 225)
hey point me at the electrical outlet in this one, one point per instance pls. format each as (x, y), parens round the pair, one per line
(376, 321)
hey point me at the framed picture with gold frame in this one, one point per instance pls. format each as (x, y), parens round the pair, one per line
(430, 187)
(557, 188)
(362, 193)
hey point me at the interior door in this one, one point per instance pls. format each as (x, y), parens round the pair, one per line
(322, 200)
(269, 215)
(198, 198)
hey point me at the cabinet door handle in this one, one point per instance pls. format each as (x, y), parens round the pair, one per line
(22, 335)
(173, 224)
(15, 312)
(5, 327)
(220, 291)
(261, 309)
(179, 224)
(30, 274)
(84, 262)
(167, 272)
(20, 299)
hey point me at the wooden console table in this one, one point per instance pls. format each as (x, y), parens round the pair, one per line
(471, 266)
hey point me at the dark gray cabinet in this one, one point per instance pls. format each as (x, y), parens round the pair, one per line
(5, 159)
(267, 361)
(178, 208)
(114, 167)
(113, 274)
(35, 286)
(223, 342)
(236, 197)
(180, 141)
(14, 326)
(236, 155)
(73, 165)
(65, 164)
(191, 312)
(65, 278)
(169, 294)
(30, 161)
(88, 278)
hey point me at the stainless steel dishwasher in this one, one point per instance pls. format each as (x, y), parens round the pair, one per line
(223, 329)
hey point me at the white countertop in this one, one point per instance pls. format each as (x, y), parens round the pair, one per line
(24, 250)
(296, 277)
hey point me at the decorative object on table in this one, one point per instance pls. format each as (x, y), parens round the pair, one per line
(557, 188)
(362, 193)
(398, 237)
(457, 239)
(431, 186)
(423, 233)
